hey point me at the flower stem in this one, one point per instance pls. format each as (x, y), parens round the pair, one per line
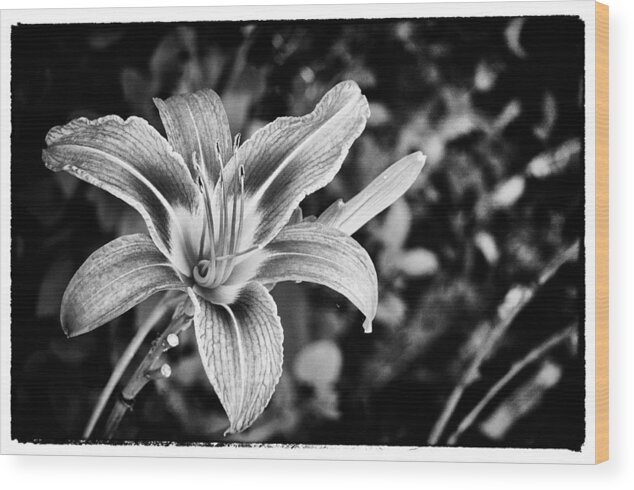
(516, 299)
(533, 356)
(148, 369)
(127, 356)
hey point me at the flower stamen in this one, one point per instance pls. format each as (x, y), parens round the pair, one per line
(224, 219)
(239, 254)
(236, 222)
(205, 270)
(215, 267)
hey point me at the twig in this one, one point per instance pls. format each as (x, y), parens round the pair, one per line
(148, 369)
(530, 358)
(122, 364)
(514, 302)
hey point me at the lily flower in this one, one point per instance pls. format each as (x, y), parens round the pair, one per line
(224, 226)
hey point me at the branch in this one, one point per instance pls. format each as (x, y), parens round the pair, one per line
(533, 356)
(516, 299)
(122, 364)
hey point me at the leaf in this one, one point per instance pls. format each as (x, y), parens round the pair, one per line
(130, 223)
(293, 308)
(43, 199)
(67, 184)
(103, 39)
(239, 97)
(325, 403)
(138, 91)
(241, 350)
(555, 162)
(417, 262)
(391, 311)
(371, 158)
(485, 77)
(379, 115)
(522, 401)
(513, 35)
(511, 111)
(549, 109)
(108, 209)
(508, 193)
(319, 364)
(52, 288)
(486, 244)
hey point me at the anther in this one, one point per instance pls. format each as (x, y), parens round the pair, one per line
(197, 168)
(196, 163)
(219, 156)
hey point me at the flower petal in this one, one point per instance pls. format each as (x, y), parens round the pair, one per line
(241, 350)
(293, 157)
(196, 123)
(113, 279)
(315, 253)
(133, 162)
(377, 196)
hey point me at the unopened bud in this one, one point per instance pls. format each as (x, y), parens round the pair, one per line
(165, 371)
(172, 340)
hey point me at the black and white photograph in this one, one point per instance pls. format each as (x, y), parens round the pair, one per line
(333, 233)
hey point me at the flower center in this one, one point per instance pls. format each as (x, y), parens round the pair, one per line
(219, 241)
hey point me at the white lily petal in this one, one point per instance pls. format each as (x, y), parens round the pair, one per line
(113, 279)
(376, 197)
(293, 157)
(132, 161)
(315, 253)
(196, 123)
(241, 349)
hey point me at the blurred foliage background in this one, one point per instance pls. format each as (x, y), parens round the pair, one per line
(468, 294)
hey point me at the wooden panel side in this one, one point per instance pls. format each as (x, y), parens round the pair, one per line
(602, 234)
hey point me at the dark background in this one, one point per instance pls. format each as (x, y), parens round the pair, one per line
(497, 106)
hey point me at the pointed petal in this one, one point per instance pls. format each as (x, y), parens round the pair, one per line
(297, 216)
(315, 253)
(241, 350)
(196, 123)
(379, 195)
(130, 160)
(113, 279)
(295, 156)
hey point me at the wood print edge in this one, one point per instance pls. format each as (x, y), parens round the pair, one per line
(602, 235)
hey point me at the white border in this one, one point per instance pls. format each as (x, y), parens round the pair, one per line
(584, 8)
